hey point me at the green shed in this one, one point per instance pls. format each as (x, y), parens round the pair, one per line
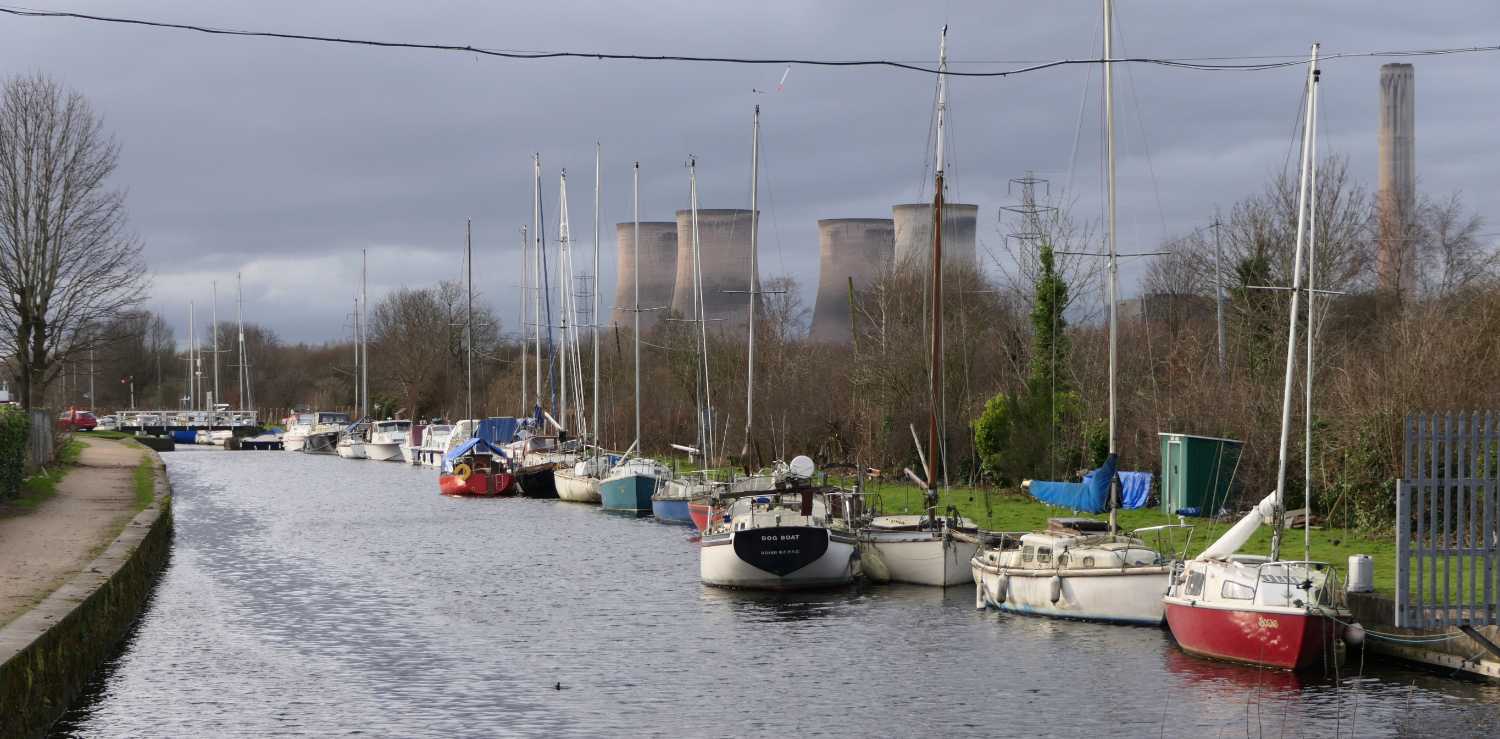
(1197, 473)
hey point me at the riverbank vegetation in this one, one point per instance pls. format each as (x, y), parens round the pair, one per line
(1035, 359)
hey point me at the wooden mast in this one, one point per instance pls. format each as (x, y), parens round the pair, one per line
(936, 268)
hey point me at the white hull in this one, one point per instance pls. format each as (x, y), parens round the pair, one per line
(576, 488)
(1120, 595)
(382, 452)
(719, 565)
(922, 558)
(409, 454)
(293, 442)
(352, 451)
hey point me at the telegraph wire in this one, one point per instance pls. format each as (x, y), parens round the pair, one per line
(1202, 64)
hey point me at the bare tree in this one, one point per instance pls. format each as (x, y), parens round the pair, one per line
(67, 262)
(1450, 254)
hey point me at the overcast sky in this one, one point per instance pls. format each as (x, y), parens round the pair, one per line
(283, 159)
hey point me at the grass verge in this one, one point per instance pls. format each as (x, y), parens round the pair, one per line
(145, 483)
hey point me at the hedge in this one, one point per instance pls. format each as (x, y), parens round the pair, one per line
(14, 425)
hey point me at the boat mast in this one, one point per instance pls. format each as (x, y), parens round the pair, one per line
(469, 323)
(239, 319)
(364, 328)
(705, 410)
(936, 268)
(192, 361)
(564, 269)
(1312, 262)
(754, 276)
(354, 334)
(524, 287)
(1112, 285)
(635, 188)
(1291, 346)
(536, 268)
(594, 329)
(214, 291)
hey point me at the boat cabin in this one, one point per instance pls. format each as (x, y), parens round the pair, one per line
(1246, 580)
(1058, 550)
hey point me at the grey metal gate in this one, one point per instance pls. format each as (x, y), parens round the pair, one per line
(1448, 522)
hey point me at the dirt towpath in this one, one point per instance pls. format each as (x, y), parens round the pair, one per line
(40, 549)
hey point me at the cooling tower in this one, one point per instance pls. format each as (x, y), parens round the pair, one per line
(1396, 262)
(914, 234)
(658, 270)
(724, 243)
(857, 248)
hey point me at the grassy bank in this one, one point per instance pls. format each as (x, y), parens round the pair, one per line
(144, 480)
(1003, 511)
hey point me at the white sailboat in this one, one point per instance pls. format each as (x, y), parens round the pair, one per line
(1074, 569)
(928, 549)
(577, 477)
(792, 538)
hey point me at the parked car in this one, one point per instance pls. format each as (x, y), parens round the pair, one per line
(76, 420)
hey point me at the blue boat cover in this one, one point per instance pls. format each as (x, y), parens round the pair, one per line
(468, 446)
(1089, 496)
(1135, 489)
(499, 430)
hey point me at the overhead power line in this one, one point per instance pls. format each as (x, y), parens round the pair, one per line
(1208, 64)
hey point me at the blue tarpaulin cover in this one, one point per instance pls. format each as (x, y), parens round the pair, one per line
(498, 430)
(1089, 496)
(1135, 489)
(468, 446)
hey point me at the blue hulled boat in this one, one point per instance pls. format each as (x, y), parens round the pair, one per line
(630, 486)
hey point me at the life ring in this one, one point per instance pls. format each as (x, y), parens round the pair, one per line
(462, 471)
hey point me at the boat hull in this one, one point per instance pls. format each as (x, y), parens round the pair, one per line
(629, 494)
(537, 483)
(351, 451)
(1129, 596)
(382, 451)
(477, 486)
(1281, 639)
(922, 558)
(777, 558)
(671, 510)
(700, 513)
(293, 442)
(575, 488)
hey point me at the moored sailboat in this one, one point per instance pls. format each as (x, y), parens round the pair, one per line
(786, 539)
(1265, 610)
(928, 549)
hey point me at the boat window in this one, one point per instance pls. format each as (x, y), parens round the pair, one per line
(1028, 554)
(1194, 584)
(1043, 555)
(1236, 591)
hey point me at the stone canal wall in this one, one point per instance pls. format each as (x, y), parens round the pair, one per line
(48, 654)
(1377, 612)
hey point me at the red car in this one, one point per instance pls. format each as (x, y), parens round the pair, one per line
(76, 420)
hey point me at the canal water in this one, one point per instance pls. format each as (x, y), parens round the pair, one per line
(311, 595)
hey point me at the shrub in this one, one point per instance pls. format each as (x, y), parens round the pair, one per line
(14, 427)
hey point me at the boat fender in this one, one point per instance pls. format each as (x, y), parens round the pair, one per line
(1354, 636)
(1056, 585)
(1002, 588)
(979, 595)
(462, 471)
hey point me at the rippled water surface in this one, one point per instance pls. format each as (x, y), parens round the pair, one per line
(315, 595)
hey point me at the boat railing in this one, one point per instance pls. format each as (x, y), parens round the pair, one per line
(1328, 593)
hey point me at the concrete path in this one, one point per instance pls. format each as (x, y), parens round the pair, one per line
(42, 548)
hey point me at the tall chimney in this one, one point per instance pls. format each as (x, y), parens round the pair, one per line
(1397, 259)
